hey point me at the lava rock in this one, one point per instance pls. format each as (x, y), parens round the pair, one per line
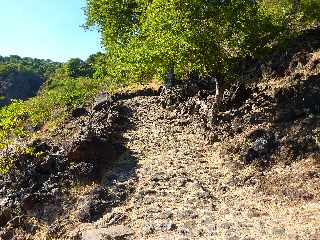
(28, 202)
(94, 205)
(5, 216)
(262, 143)
(79, 112)
(119, 232)
(40, 146)
(83, 171)
(102, 101)
(46, 165)
(297, 101)
(96, 150)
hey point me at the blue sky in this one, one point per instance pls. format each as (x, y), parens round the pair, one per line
(48, 29)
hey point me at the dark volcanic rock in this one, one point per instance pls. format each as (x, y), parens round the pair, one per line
(261, 144)
(94, 204)
(102, 101)
(96, 151)
(80, 151)
(83, 171)
(40, 146)
(32, 179)
(184, 92)
(78, 112)
(91, 156)
(297, 101)
(199, 98)
(91, 149)
(5, 215)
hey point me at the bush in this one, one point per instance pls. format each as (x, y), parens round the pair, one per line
(55, 101)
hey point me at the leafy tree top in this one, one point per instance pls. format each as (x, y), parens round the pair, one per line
(144, 37)
(42, 67)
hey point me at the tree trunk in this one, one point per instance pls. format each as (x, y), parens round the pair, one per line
(170, 76)
(296, 5)
(219, 91)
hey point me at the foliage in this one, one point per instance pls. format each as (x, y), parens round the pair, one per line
(143, 38)
(21, 78)
(67, 87)
(5, 165)
(76, 67)
(12, 120)
(55, 101)
(41, 67)
(98, 64)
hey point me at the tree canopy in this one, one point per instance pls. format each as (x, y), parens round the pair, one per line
(41, 67)
(21, 78)
(143, 37)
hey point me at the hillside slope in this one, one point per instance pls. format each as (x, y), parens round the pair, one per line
(187, 188)
(172, 182)
(176, 165)
(21, 78)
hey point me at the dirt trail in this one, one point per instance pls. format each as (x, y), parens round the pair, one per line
(185, 190)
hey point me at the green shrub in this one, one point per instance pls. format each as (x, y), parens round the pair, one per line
(55, 101)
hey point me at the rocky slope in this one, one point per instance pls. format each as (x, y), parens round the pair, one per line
(176, 165)
(187, 187)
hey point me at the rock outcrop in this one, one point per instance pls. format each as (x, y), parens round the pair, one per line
(18, 85)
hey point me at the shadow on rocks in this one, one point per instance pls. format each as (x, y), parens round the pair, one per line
(297, 117)
(283, 60)
(39, 183)
(294, 116)
(261, 144)
(114, 167)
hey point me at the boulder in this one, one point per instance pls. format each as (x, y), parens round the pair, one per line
(261, 144)
(102, 101)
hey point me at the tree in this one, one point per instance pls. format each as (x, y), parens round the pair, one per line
(75, 67)
(144, 38)
(44, 68)
(97, 63)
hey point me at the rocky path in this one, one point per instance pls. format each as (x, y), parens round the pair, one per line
(174, 195)
(185, 190)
